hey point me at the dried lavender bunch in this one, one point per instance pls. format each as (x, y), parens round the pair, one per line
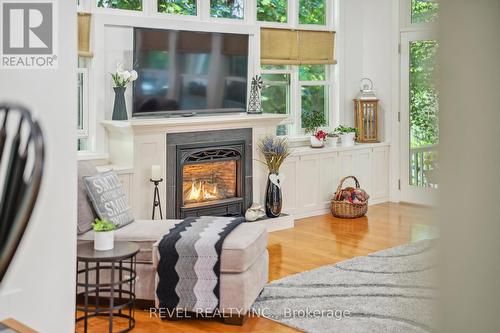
(275, 151)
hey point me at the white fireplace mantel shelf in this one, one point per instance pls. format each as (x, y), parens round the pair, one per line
(183, 124)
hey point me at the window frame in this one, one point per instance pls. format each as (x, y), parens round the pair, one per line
(146, 4)
(406, 24)
(327, 84)
(155, 13)
(84, 132)
(291, 103)
(294, 121)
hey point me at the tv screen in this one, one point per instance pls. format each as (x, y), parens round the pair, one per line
(186, 72)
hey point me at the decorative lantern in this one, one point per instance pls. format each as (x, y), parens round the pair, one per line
(366, 113)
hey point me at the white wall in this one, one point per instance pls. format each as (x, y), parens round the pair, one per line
(39, 287)
(368, 49)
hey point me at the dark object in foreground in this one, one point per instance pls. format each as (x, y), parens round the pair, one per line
(22, 155)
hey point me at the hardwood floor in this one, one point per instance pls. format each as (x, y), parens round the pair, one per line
(314, 242)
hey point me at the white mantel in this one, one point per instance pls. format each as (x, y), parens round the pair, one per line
(138, 144)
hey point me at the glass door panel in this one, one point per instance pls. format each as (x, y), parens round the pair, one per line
(419, 118)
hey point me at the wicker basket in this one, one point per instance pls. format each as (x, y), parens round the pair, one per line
(347, 210)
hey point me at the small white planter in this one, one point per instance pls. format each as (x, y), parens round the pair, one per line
(347, 139)
(104, 240)
(332, 142)
(316, 143)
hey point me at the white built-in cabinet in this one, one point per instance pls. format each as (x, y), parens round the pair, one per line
(312, 176)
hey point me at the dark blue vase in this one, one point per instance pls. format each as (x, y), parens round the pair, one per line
(274, 199)
(119, 108)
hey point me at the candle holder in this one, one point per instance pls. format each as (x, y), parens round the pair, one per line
(156, 197)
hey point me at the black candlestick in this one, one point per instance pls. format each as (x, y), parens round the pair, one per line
(156, 197)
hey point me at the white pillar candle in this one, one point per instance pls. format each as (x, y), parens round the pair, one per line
(155, 172)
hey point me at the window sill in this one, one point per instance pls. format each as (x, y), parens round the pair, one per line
(90, 156)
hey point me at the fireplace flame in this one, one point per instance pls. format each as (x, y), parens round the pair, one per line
(202, 191)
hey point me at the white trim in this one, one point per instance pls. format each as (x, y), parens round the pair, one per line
(394, 124)
(410, 193)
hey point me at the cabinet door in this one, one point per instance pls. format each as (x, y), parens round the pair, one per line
(328, 169)
(380, 176)
(346, 164)
(356, 163)
(309, 182)
(290, 185)
(362, 168)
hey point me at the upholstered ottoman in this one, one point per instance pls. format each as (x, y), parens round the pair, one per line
(244, 262)
(244, 270)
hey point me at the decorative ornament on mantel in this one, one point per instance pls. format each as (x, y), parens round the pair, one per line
(275, 151)
(120, 79)
(254, 102)
(366, 113)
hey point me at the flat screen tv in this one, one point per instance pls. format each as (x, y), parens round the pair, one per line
(186, 72)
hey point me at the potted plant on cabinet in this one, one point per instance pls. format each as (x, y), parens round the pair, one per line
(312, 120)
(347, 135)
(275, 151)
(104, 235)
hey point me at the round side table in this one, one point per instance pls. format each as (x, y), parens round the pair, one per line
(110, 274)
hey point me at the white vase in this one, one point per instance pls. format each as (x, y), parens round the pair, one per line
(255, 212)
(316, 143)
(347, 139)
(104, 240)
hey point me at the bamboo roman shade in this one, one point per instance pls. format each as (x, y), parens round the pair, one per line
(296, 47)
(84, 35)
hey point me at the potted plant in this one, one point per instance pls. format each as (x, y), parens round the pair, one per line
(312, 120)
(347, 135)
(104, 235)
(334, 139)
(120, 79)
(275, 151)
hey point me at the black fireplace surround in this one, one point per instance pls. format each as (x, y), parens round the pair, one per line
(211, 148)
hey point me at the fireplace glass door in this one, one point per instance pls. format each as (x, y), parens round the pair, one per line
(209, 181)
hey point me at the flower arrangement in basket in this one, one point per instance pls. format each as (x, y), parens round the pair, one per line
(350, 202)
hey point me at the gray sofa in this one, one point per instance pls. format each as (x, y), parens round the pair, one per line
(244, 259)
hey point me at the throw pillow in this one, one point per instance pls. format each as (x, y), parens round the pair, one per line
(106, 193)
(86, 214)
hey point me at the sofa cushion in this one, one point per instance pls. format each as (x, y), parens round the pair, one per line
(144, 232)
(86, 214)
(242, 247)
(106, 192)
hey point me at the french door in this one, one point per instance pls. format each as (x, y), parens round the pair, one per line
(419, 118)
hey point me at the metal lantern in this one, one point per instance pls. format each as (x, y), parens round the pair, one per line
(366, 113)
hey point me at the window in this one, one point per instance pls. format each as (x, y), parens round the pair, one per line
(312, 12)
(424, 11)
(83, 105)
(120, 4)
(181, 7)
(299, 92)
(232, 9)
(314, 94)
(272, 11)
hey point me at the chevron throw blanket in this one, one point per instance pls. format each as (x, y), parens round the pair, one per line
(189, 266)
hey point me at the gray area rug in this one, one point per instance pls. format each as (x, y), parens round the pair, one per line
(387, 291)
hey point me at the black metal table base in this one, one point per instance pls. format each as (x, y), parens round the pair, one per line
(119, 289)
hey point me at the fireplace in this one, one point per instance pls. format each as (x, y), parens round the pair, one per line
(213, 173)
